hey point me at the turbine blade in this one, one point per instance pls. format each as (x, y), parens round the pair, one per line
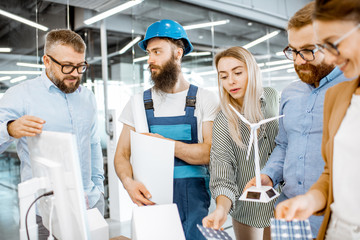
(240, 116)
(269, 119)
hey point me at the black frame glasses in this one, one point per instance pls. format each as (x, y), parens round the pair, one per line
(68, 68)
(333, 47)
(306, 54)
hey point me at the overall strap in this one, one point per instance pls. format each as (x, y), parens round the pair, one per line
(191, 100)
(149, 105)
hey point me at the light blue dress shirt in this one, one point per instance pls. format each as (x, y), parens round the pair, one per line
(297, 159)
(73, 113)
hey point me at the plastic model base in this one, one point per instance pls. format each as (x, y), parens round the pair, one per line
(259, 194)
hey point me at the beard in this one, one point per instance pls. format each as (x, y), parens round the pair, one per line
(60, 83)
(315, 74)
(166, 76)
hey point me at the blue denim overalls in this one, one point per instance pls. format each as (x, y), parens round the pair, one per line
(190, 181)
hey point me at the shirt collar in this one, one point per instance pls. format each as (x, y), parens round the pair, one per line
(50, 85)
(331, 76)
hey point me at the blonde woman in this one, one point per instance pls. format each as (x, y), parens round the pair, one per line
(240, 85)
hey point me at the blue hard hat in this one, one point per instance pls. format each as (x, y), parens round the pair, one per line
(166, 28)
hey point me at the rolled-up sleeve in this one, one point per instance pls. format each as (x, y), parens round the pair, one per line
(11, 108)
(275, 164)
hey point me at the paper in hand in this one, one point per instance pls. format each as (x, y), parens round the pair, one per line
(296, 229)
(212, 234)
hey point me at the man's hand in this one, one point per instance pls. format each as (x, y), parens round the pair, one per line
(265, 181)
(138, 193)
(25, 126)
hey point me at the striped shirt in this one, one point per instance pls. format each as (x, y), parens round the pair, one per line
(229, 169)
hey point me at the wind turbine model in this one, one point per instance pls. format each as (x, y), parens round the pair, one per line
(256, 193)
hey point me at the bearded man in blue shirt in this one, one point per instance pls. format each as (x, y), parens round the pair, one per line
(55, 101)
(296, 160)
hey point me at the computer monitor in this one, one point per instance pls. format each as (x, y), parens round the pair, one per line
(54, 156)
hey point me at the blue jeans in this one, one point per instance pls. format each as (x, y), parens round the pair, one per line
(193, 201)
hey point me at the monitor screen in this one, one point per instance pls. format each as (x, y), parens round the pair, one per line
(54, 156)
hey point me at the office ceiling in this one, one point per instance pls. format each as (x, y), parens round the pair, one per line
(249, 20)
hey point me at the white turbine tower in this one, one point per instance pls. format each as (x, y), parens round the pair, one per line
(256, 193)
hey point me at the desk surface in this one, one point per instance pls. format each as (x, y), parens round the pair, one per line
(120, 238)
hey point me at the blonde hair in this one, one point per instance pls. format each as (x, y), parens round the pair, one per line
(64, 37)
(251, 108)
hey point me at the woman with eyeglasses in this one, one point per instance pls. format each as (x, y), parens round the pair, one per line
(336, 194)
(240, 84)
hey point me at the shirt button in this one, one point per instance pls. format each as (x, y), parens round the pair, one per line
(299, 182)
(308, 111)
(300, 157)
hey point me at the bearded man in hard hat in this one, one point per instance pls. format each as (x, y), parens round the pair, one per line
(177, 110)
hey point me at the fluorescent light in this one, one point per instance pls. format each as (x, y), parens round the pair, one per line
(281, 78)
(20, 72)
(130, 44)
(5, 49)
(5, 78)
(208, 24)
(280, 53)
(277, 68)
(112, 11)
(145, 58)
(199, 54)
(207, 73)
(23, 20)
(261, 64)
(30, 65)
(261, 57)
(121, 51)
(18, 79)
(291, 70)
(278, 62)
(140, 59)
(262, 39)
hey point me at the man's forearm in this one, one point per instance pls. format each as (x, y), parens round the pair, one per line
(195, 154)
(123, 170)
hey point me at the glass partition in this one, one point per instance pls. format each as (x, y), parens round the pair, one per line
(21, 44)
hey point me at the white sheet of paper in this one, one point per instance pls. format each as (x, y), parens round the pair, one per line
(138, 110)
(153, 165)
(160, 222)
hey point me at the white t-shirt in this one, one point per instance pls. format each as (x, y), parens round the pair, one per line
(173, 104)
(346, 165)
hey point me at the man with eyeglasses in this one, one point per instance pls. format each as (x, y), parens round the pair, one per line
(296, 161)
(55, 101)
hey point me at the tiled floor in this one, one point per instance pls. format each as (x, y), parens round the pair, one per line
(9, 211)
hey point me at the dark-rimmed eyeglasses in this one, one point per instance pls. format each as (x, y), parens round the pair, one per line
(306, 54)
(333, 47)
(67, 68)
